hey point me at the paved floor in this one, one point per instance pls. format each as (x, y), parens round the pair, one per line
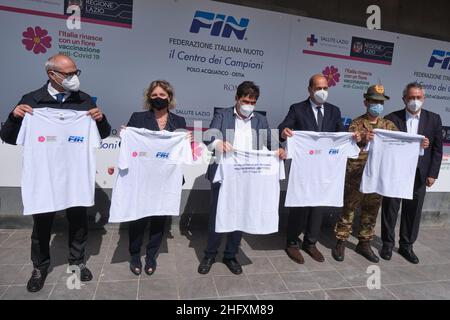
(268, 273)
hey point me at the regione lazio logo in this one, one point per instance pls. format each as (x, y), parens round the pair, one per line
(219, 24)
(36, 39)
(76, 139)
(315, 152)
(357, 47)
(440, 58)
(41, 139)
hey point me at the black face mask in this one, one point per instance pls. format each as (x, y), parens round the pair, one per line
(159, 103)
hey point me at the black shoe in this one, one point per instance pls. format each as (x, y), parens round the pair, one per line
(408, 254)
(37, 280)
(233, 265)
(136, 265)
(150, 266)
(364, 249)
(338, 251)
(85, 273)
(205, 265)
(386, 253)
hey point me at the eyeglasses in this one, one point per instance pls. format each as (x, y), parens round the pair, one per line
(69, 74)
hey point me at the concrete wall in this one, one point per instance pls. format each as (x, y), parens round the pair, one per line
(195, 206)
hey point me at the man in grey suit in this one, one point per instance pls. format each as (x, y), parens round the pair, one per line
(241, 128)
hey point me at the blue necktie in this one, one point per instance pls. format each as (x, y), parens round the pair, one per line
(59, 97)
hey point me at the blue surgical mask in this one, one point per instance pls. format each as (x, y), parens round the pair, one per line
(375, 109)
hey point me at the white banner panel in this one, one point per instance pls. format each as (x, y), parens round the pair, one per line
(205, 49)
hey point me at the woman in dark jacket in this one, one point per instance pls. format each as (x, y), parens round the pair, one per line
(159, 99)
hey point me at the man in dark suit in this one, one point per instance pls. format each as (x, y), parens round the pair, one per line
(313, 114)
(412, 119)
(241, 128)
(62, 92)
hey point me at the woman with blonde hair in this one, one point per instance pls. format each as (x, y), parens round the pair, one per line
(159, 99)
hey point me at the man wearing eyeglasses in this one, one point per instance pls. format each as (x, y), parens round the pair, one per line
(61, 92)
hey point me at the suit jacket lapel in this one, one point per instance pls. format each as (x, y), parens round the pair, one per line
(422, 122)
(229, 124)
(326, 116)
(254, 122)
(151, 124)
(232, 120)
(42, 95)
(403, 122)
(255, 137)
(171, 125)
(310, 115)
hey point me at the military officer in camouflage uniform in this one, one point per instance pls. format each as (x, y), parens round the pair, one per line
(369, 204)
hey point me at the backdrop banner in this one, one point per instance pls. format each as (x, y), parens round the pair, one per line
(205, 50)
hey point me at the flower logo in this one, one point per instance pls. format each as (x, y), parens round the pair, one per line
(41, 139)
(311, 152)
(332, 75)
(196, 150)
(36, 39)
(134, 154)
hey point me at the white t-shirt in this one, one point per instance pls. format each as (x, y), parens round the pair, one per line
(317, 173)
(391, 167)
(150, 174)
(58, 170)
(250, 191)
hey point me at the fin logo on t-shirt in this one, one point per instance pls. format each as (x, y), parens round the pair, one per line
(162, 155)
(75, 139)
(333, 151)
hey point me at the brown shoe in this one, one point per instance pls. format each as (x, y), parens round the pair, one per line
(338, 252)
(294, 253)
(313, 252)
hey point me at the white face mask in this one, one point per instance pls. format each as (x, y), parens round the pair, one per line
(414, 105)
(321, 96)
(71, 83)
(247, 110)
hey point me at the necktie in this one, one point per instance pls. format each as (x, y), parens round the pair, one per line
(319, 117)
(59, 97)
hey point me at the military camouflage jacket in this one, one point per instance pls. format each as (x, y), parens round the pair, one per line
(363, 125)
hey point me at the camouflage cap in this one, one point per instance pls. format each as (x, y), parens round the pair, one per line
(376, 92)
